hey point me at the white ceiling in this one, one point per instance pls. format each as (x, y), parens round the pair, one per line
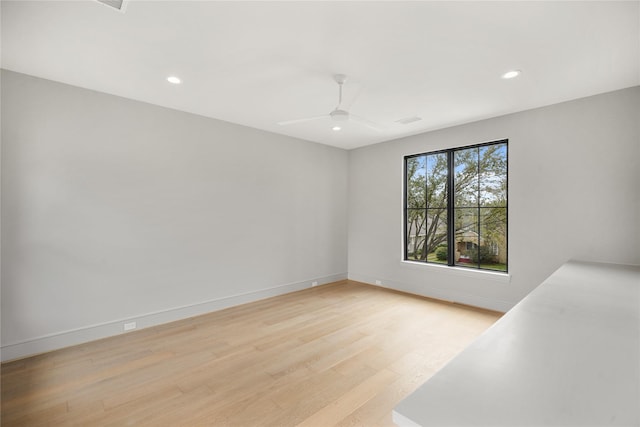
(259, 63)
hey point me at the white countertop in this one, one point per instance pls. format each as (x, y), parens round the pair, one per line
(567, 355)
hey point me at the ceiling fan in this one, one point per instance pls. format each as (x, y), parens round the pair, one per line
(338, 115)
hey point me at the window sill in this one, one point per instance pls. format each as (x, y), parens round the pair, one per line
(461, 271)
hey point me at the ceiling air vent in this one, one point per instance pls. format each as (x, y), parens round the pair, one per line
(116, 4)
(408, 120)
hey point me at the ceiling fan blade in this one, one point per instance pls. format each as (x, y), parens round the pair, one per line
(306, 119)
(365, 122)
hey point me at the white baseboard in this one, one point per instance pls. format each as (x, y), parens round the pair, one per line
(42, 344)
(440, 294)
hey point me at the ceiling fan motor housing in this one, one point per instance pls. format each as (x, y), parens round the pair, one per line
(339, 115)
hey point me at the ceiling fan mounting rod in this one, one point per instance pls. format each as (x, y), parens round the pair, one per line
(340, 79)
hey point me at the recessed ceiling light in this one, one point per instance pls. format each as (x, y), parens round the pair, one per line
(336, 128)
(511, 74)
(173, 79)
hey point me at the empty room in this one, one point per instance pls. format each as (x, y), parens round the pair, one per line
(320, 213)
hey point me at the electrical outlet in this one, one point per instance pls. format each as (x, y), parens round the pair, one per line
(315, 283)
(378, 282)
(129, 326)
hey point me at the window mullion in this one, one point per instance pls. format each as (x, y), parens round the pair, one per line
(426, 205)
(478, 202)
(451, 231)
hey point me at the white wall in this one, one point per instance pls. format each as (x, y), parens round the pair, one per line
(114, 209)
(574, 193)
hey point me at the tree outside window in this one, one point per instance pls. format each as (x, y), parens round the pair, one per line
(467, 225)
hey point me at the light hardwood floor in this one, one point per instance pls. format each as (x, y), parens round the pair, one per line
(342, 354)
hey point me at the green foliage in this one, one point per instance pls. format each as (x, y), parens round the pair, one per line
(484, 254)
(441, 253)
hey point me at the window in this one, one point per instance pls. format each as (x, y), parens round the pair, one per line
(455, 207)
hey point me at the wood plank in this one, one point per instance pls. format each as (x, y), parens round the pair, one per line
(338, 354)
